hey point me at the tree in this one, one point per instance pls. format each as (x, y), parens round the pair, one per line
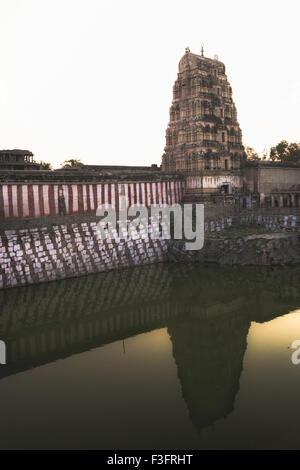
(45, 166)
(285, 152)
(251, 154)
(72, 163)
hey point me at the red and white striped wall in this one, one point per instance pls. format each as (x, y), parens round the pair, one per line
(40, 200)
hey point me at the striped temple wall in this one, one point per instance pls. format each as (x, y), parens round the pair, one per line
(42, 200)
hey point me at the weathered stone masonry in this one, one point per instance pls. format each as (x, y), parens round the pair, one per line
(41, 255)
(47, 254)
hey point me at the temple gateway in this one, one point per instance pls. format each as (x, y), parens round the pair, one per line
(204, 143)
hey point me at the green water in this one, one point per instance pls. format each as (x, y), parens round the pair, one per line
(161, 357)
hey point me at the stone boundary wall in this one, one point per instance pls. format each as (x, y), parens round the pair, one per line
(258, 250)
(42, 200)
(31, 256)
(48, 254)
(278, 248)
(281, 223)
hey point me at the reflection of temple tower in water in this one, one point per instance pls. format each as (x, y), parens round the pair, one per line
(207, 310)
(209, 344)
(209, 355)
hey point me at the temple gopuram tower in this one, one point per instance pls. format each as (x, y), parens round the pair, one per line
(203, 138)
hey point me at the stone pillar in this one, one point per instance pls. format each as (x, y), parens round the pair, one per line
(272, 201)
(280, 200)
(293, 202)
(262, 199)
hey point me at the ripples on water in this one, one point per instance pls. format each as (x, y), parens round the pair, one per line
(177, 356)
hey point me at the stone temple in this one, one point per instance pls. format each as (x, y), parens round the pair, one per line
(204, 161)
(203, 138)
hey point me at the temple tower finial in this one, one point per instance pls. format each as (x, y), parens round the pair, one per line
(202, 49)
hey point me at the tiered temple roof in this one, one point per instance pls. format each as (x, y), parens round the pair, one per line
(203, 133)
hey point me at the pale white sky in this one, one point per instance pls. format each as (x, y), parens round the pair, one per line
(93, 79)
